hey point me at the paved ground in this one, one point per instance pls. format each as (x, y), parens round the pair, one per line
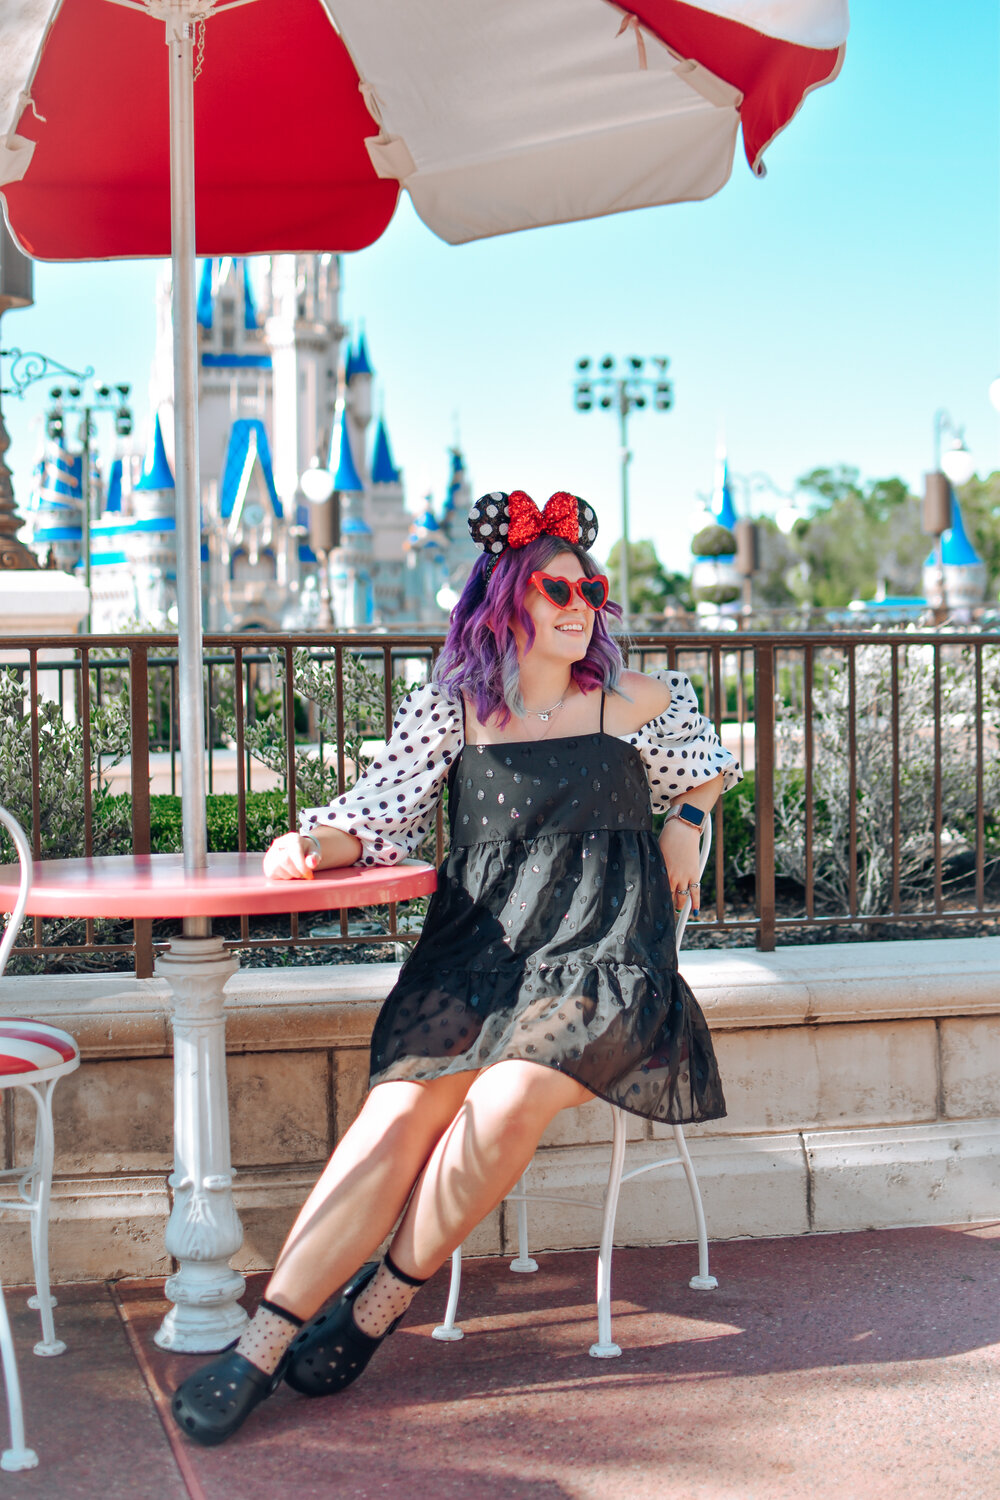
(839, 1367)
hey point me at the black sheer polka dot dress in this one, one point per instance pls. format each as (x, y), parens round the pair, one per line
(550, 936)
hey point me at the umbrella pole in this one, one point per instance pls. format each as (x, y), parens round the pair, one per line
(186, 459)
(203, 1230)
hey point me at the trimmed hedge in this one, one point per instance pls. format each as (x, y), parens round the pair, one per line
(267, 816)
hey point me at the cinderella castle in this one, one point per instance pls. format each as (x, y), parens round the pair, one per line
(283, 394)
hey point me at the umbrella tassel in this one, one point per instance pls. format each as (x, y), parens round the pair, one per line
(631, 23)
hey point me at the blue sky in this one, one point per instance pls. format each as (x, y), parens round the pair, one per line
(819, 316)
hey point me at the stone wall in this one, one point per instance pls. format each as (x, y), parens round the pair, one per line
(863, 1083)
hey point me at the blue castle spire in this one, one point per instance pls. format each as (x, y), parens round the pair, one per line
(358, 362)
(346, 479)
(455, 480)
(384, 471)
(156, 473)
(113, 502)
(249, 301)
(956, 549)
(722, 501)
(206, 305)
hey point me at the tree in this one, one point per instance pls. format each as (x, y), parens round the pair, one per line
(858, 535)
(650, 586)
(980, 502)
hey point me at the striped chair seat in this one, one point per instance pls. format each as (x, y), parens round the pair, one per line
(28, 1047)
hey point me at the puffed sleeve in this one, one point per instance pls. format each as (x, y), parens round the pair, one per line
(680, 749)
(392, 806)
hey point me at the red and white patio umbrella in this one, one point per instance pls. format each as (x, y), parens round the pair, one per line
(494, 115)
(308, 117)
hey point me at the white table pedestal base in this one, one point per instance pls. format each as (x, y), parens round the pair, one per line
(204, 1229)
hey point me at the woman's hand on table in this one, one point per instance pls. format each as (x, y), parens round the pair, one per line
(294, 856)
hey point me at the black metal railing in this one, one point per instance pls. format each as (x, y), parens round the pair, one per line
(872, 800)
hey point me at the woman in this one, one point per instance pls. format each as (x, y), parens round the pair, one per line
(545, 974)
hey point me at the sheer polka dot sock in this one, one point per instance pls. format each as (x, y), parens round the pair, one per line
(268, 1335)
(385, 1298)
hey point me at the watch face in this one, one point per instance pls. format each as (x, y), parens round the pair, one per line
(691, 814)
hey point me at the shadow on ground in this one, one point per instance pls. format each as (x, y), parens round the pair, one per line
(829, 1366)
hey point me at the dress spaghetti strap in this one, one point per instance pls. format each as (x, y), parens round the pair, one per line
(602, 710)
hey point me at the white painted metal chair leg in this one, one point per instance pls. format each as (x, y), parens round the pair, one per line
(34, 1183)
(606, 1348)
(41, 1192)
(18, 1456)
(704, 1281)
(523, 1261)
(449, 1330)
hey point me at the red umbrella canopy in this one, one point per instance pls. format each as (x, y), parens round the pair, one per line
(309, 114)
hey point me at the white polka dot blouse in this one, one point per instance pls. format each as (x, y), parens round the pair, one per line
(392, 807)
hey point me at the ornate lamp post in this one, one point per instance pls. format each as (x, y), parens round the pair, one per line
(623, 390)
(318, 486)
(16, 290)
(954, 464)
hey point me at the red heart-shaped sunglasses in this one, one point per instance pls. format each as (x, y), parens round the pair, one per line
(560, 591)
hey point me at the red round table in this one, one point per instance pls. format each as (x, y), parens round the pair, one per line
(232, 885)
(203, 1230)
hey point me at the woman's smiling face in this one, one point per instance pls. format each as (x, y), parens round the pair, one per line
(562, 634)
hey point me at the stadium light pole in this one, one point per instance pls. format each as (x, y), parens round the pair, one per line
(73, 400)
(605, 386)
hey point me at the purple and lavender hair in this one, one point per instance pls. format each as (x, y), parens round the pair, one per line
(479, 656)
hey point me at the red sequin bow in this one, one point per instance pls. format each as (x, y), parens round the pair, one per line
(561, 517)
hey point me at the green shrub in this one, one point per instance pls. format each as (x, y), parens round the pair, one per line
(267, 817)
(61, 780)
(737, 837)
(717, 593)
(714, 541)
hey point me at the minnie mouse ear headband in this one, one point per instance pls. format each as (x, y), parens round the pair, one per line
(498, 521)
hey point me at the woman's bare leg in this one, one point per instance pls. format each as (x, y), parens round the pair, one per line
(363, 1189)
(479, 1158)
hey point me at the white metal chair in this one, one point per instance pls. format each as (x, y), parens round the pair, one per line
(33, 1056)
(703, 1281)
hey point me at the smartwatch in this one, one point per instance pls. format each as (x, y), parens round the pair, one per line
(687, 813)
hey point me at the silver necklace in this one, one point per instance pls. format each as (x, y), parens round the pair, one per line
(544, 714)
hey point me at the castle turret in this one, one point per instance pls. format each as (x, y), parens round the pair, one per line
(714, 578)
(351, 587)
(964, 570)
(384, 471)
(151, 537)
(462, 550)
(358, 375)
(250, 514)
(133, 557)
(426, 567)
(54, 513)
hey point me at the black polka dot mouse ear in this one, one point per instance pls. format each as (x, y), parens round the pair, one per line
(489, 522)
(588, 523)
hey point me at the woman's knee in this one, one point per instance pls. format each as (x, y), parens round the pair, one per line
(522, 1097)
(416, 1114)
